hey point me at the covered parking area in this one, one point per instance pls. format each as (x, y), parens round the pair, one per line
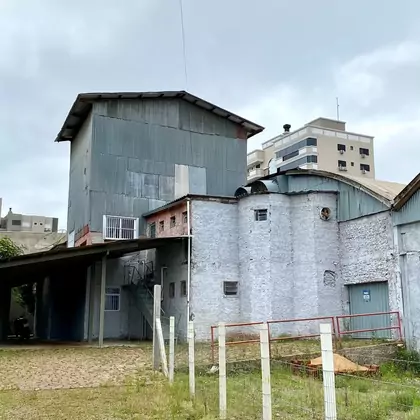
(65, 303)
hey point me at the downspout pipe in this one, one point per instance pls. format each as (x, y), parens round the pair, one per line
(188, 261)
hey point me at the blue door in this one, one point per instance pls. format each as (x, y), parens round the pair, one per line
(369, 298)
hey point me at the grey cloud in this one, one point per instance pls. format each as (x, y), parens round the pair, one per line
(277, 61)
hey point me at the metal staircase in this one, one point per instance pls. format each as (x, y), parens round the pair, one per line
(140, 284)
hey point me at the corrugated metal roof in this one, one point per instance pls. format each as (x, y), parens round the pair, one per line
(382, 190)
(405, 194)
(83, 104)
(386, 189)
(179, 200)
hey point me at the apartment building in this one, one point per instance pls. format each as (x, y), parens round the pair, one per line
(16, 222)
(322, 144)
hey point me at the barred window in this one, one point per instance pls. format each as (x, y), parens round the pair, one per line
(112, 298)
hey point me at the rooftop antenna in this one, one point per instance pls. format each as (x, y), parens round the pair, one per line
(183, 44)
(338, 108)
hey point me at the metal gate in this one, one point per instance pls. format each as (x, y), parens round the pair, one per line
(369, 298)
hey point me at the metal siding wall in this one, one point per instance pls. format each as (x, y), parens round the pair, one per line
(379, 302)
(352, 202)
(80, 164)
(198, 120)
(133, 162)
(410, 211)
(155, 111)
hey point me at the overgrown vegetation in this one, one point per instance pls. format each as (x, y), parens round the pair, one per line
(23, 295)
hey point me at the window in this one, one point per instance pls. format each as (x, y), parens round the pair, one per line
(260, 215)
(112, 298)
(352, 164)
(312, 159)
(171, 290)
(364, 152)
(342, 164)
(16, 222)
(172, 222)
(183, 288)
(291, 155)
(152, 230)
(364, 167)
(230, 288)
(351, 147)
(161, 226)
(341, 147)
(116, 227)
(184, 217)
(258, 166)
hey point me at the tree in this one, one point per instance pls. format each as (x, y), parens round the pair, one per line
(22, 294)
(9, 249)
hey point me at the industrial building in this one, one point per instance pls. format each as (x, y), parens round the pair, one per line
(322, 144)
(158, 195)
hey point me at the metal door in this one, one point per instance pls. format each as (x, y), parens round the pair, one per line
(369, 298)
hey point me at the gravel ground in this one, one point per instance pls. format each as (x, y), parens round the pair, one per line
(59, 368)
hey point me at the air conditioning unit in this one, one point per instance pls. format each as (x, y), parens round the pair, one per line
(342, 168)
(341, 152)
(362, 155)
(363, 171)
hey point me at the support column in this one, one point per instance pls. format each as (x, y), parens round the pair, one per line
(102, 302)
(91, 302)
(5, 297)
(38, 327)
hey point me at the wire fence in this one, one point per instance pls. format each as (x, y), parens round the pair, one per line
(366, 379)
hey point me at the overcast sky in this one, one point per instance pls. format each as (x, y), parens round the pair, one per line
(271, 61)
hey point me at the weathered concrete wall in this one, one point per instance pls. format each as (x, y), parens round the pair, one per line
(283, 260)
(35, 242)
(215, 260)
(368, 254)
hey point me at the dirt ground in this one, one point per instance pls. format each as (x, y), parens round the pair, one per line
(57, 368)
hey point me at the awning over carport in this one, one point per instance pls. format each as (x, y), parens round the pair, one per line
(18, 269)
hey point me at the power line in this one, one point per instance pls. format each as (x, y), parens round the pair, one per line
(183, 44)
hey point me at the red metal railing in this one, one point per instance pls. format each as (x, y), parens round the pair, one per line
(335, 322)
(271, 339)
(397, 327)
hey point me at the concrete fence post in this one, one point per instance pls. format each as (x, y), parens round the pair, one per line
(265, 372)
(330, 404)
(171, 349)
(191, 357)
(156, 315)
(222, 371)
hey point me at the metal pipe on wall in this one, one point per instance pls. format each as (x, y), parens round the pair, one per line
(188, 261)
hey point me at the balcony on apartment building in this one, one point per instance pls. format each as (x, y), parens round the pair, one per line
(255, 157)
(254, 174)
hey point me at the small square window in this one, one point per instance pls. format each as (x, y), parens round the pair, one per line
(172, 222)
(152, 230)
(351, 147)
(342, 164)
(161, 226)
(112, 299)
(230, 288)
(341, 147)
(363, 151)
(171, 290)
(352, 164)
(364, 167)
(183, 288)
(184, 217)
(261, 215)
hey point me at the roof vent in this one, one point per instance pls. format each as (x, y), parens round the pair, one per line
(286, 128)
